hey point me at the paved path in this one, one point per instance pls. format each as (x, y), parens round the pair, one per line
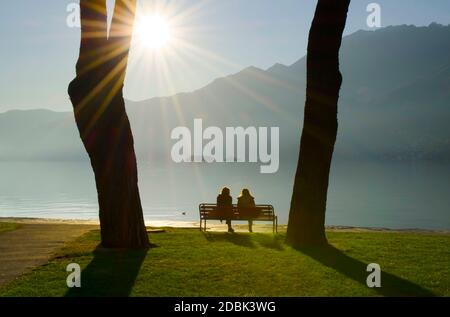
(32, 245)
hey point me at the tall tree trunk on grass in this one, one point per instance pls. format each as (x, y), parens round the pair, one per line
(307, 214)
(99, 108)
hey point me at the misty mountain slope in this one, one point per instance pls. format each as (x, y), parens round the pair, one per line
(249, 98)
(394, 100)
(433, 89)
(394, 104)
(376, 63)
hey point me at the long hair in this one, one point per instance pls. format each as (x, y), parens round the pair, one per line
(245, 193)
(225, 191)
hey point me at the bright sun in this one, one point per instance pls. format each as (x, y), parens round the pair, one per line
(153, 31)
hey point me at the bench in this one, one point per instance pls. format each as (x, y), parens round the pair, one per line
(264, 213)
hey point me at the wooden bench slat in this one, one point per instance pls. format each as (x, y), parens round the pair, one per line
(266, 213)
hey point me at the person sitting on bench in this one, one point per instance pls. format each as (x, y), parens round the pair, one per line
(246, 206)
(225, 206)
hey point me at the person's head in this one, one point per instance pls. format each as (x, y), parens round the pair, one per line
(245, 193)
(225, 191)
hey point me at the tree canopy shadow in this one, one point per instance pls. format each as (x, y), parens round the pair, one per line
(243, 240)
(111, 273)
(356, 270)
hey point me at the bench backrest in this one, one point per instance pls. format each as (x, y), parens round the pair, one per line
(264, 211)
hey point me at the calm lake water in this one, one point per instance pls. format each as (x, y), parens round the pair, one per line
(361, 194)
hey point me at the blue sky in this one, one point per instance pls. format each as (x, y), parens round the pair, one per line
(39, 51)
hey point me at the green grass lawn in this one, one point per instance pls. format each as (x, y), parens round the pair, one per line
(185, 262)
(7, 226)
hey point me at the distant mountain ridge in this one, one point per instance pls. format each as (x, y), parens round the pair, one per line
(395, 104)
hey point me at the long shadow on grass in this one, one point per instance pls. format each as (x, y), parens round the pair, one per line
(247, 240)
(111, 273)
(276, 242)
(243, 240)
(356, 270)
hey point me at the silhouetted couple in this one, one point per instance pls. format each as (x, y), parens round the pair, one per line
(245, 204)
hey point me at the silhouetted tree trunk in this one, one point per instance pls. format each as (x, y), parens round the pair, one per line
(307, 214)
(99, 108)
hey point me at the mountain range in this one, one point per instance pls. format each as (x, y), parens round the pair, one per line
(395, 105)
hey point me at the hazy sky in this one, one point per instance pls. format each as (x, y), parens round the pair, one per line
(219, 37)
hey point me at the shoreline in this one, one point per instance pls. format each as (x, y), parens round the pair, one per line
(213, 226)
